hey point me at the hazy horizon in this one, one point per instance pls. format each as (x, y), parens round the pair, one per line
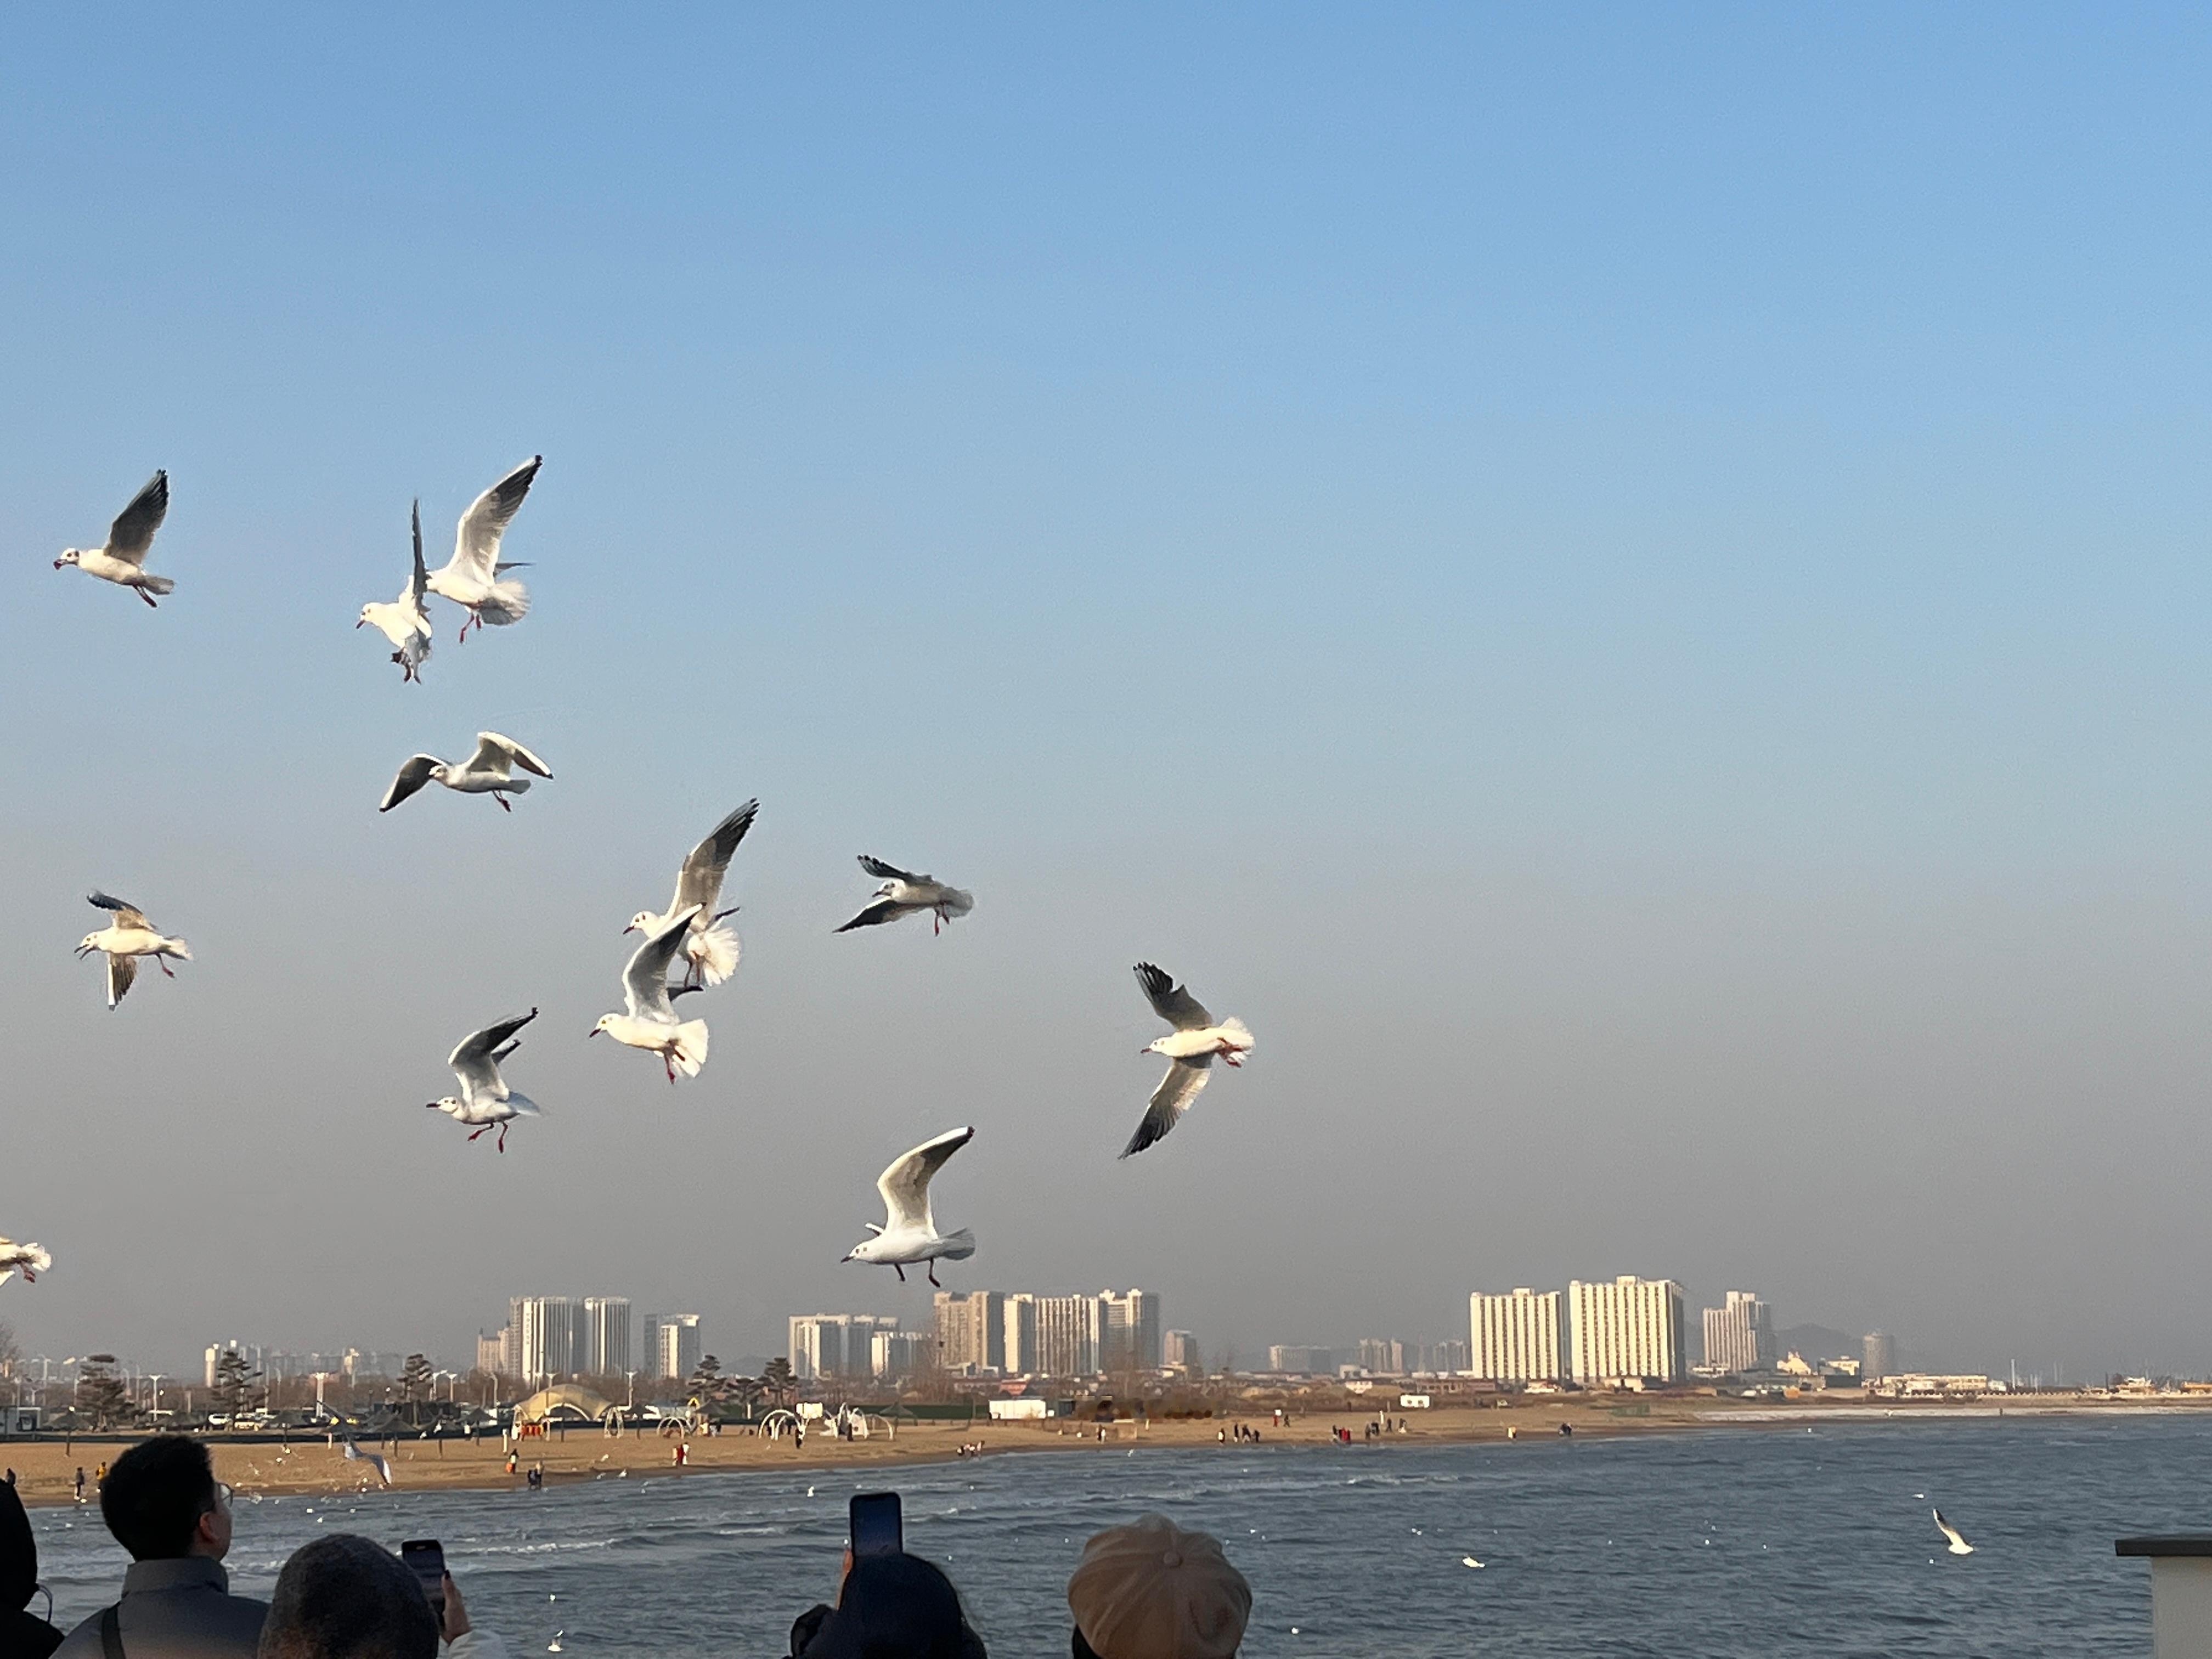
(1628, 590)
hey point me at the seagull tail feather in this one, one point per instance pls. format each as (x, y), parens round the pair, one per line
(509, 602)
(1237, 1026)
(157, 585)
(177, 948)
(958, 1247)
(716, 953)
(692, 1047)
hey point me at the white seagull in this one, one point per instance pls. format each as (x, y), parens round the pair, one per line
(29, 1260)
(374, 1460)
(710, 949)
(905, 894)
(123, 559)
(406, 621)
(1957, 1545)
(489, 771)
(485, 1100)
(470, 578)
(911, 1234)
(651, 1021)
(127, 938)
(1190, 1048)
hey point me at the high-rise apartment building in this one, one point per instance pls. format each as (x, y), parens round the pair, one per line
(1067, 1336)
(1515, 1337)
(1627, 1328)
(1446, 1359)
(1739, 1333)
(545, 1329)
(1381, 1356)
(1877, 1356)
(971, 1331)
(1021, 1334)
(491, 1352)
(894, 1356)
(671, 1344)
(603, 1349)
(1302, 1359)
(1129, 1331)
(1179, 1352)
(827, 1345)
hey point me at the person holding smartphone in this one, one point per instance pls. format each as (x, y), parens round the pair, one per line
(344, 1595)
(890, 1605)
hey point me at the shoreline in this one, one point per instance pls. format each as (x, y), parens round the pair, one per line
(45, 1469)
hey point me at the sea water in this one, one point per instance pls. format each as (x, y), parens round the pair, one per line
(1716, 1543)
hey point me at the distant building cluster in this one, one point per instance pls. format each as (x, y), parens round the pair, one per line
(547, 1337)
(277, 1364)
(994, 1333)
(1371, 1356)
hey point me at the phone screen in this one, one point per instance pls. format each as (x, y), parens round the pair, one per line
(426, 1558)
(873, 1518)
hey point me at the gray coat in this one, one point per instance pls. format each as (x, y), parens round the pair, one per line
(180, 1609)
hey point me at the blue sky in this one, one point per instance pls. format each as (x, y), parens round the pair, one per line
(1627, 588)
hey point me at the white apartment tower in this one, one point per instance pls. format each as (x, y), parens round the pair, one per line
(1129, 1331)
(1628, 1326)
(545, 1328)
(671, 1344)
(1515, 1337)
(971, 1331)
(1739, 1333)
(1066, 1335)
(603, 1349)
(1021, 1334)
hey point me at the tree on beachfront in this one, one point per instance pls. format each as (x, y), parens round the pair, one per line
(10, 1355)
(705, 1383)
(237, 1385)
(101, 1393)
(745, 1390)
(777, 1381)
(414, 1378)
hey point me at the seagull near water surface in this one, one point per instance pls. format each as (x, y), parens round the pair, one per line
(489, 771)
(125, 940)
(910, 1234)
(29, 1260)
(485, 1101)
(1190, 1048)
(471, 578)
(649, 1021)
(374, 1460)
(406, 621)
(122, 560)
(710, 949)
(905, 894)
(1957, 1545)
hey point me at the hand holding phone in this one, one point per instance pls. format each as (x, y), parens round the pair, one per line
(426, 1559)
(875, 1524)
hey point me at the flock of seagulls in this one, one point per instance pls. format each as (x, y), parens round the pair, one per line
(690, 940)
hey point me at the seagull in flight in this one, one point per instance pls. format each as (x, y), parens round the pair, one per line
(471, 578)
(1957, 1545)
(905, 894)
(406, 621)
(710, 949)
(910, 1234)
(29, 1260)
(374, 1460)
(122, 560)
(1190, 1048)
(127, 938)
(485, 1100)
(649, 1022)
(489, 771)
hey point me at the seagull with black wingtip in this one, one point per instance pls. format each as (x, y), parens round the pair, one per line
(1190, 1048)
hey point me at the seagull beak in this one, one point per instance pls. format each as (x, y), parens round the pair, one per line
(593, 1032)
(363, 622)
(58, 563)
(847, 1256)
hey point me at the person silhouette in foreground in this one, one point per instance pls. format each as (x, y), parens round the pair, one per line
(888, 1606)
(344, 1597)
(21, 1634)
(1151, 1590)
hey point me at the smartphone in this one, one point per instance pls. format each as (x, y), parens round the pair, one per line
(875, 1525)
(426, 1559)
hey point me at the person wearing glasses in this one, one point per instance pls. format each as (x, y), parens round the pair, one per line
(164, 1506)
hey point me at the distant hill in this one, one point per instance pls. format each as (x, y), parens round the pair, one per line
(1816, 1342)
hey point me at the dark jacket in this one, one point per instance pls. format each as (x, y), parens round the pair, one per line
(22, 1637)
(180, 1609)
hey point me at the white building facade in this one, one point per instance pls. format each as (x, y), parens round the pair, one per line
(1625, 1327)
(1514, 1337)
(1739, 1333)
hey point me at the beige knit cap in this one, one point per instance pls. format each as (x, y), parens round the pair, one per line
(1151, 1590)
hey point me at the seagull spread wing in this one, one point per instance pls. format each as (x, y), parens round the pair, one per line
(476, 544)
(1958, 1545)
(476, 1060)
(127, 915)
(495, 754)
(905, 1185)
(132, 533)
(1172, 1002)
(121, 970)
(874, 913)
(414, 773)
(374, 1460)
(1171, 1101)
(700, 881)
(418, 584)
(882, 871)
(645, 981)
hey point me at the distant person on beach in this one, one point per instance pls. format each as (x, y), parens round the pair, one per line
(888, 1606)
(342, 1597)
(1151, 1590)
(164, 1506)
(21, 1634)
(80, 1483)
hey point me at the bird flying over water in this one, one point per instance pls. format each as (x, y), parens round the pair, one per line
(471, 578)
(1190, 1048)
(1958, 1546)
(29, 1260)
(489, 771)
(905, 894)
(125, 940)
(122, 560)
(374, 1460)
(406, 621)
(649, 1021)
(710, 949)
(910, 1234)
(485, 1100)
